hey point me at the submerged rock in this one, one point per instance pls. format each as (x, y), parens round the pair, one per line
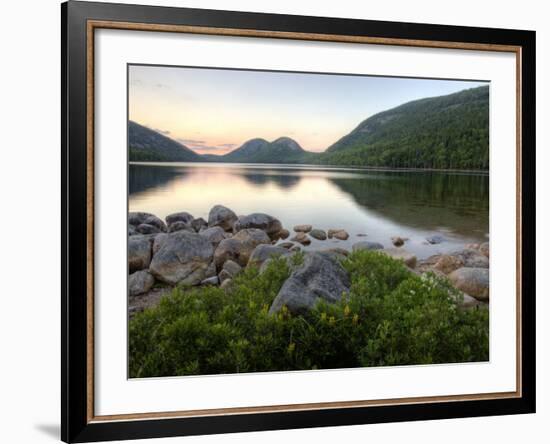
(140, 282)
(367, 245)
(435, 239)
(183, 258)
(319, 277)
(221, 216)
(397, 241)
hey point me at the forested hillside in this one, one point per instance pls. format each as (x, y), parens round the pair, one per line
(448, 132)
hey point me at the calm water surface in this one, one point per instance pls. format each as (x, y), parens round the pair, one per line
(379, 204)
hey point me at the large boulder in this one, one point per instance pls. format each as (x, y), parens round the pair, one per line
(239, 247)
(401, 254)
(261, 221)
(471, 258)
(367, 245)
(139, 253)
(484, 249)
(214, 235)
(136, 218)
(140, 282)
(447, 264)
(221, 216)
(263, 252)
(179, 225)
(472, 281)
(199, 224)
(147, 229)
(182, 216)
(320, 277)
(183, 258)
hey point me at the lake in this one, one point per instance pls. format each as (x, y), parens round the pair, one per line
(378, 204)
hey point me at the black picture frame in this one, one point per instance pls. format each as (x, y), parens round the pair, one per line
(76, 424)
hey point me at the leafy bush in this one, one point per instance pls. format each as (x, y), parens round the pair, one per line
(390, 317)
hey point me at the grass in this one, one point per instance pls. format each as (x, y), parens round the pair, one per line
(389, 317)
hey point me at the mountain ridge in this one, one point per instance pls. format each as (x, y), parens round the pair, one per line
(442, 132)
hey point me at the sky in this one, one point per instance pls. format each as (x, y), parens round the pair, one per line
(214, 111)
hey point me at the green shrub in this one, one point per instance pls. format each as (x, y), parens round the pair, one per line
(390, 317)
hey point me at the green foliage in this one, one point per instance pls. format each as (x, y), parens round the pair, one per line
(389, 317)
(448, 132)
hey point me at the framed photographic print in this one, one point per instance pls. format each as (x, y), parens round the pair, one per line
(275, 221)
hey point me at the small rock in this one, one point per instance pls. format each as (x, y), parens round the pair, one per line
(341, 235)
(435, 239)
(295, 248)
(472, 281)
(199, 224)
(210, 281)
(302, 238)
(232, 268)
(361, 235)
(140, 282)
(147, 229)
(182, 216)
(397, 241)
(282, 234)
(224, 276)
(401, 254)
(178, 226)
(221, 216)
(367, 245)
(302, 228)
(225, 284)
(318, 234)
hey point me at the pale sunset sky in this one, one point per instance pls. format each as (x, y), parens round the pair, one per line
(214, 111)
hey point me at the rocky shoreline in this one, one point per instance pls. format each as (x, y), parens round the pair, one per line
(184, 250)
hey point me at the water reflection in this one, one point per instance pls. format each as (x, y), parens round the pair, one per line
(380, 204)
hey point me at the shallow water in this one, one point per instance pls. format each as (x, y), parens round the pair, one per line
(380, 204)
